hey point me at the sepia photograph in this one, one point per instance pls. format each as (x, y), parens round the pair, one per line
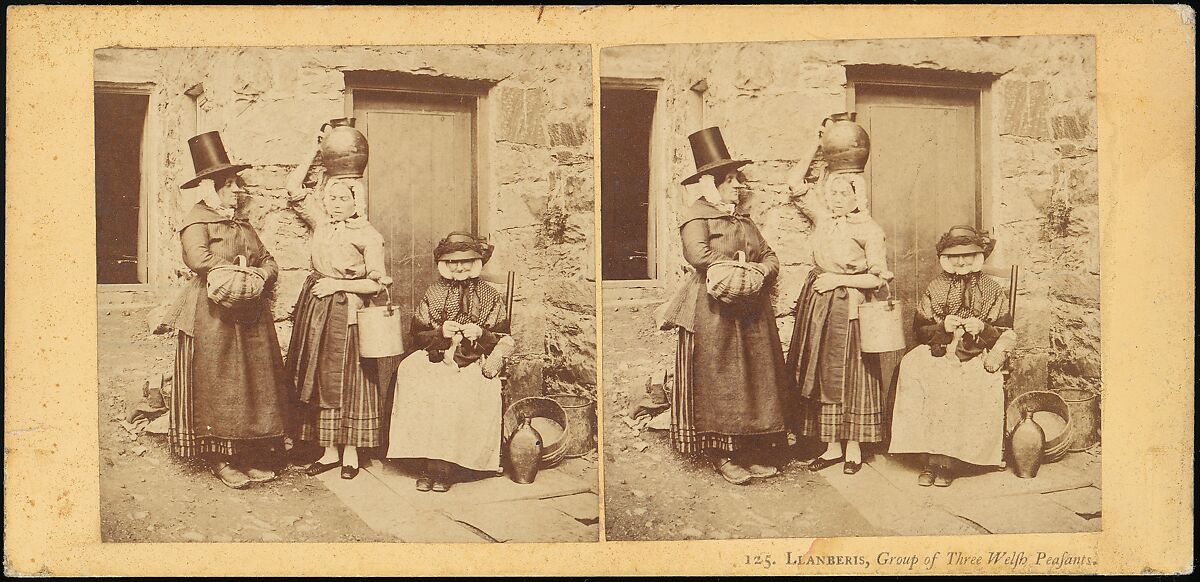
(851, 288)
(346, 294)
(587, 290)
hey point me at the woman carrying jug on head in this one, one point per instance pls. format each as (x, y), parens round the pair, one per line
(229, 396)
(728, 399)
(339, 401)
(840, 398)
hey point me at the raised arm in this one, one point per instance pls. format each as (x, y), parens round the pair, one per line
(304, 205)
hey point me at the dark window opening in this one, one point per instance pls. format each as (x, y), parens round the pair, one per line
(120, 253)
(626, 116)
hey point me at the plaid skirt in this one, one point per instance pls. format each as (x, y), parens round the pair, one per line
(184, 440)
(859, 416)
(358, 420)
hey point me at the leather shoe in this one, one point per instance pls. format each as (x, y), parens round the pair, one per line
(850, 467)
(943, 479)
(926, 478)
(818, 463)
(260, 475)
(424, 484)
(732, 472)
(318, 467)
(232, 478)
(440, 486)
(762, 471)
(349, 472)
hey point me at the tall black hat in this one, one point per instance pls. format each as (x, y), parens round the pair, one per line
(711, 155)
(209, 158)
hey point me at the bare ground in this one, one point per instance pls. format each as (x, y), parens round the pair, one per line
(148, 495)
(653, 493)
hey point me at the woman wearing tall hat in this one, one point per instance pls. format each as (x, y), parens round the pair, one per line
(229, 395)
(728, 401)
(339, 398)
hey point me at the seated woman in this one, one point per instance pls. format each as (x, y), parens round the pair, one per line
(447, 408)
(950, 394)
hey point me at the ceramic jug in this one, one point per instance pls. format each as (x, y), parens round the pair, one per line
(344, 150)
(1026, 444)
(524, 452)
(845, 145)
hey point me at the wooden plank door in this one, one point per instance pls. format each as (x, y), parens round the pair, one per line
(421, 179)
(922, 175)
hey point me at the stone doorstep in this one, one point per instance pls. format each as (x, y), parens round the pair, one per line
(549, 483)
(525, 521)
(902, 473)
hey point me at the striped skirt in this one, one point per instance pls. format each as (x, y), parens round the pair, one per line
(358, 420)
(185, 443)
(684, 436)
(859, 416)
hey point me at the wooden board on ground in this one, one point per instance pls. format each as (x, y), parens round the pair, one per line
(1083, 501)
(583, 507)
(887, 507)
(549, 483)
(524, 521)
(1023, 514)
(902, 472)
(385, 512)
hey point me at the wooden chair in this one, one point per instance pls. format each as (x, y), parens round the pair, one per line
(1007, 279)
(507, 289)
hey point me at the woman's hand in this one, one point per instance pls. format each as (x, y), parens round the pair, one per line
(326, 286)
(973, 325)
(952, 323)
(827, 282)
(451, 327)
(471, 331)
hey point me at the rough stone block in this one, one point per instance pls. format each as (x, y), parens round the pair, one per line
(1029, 371)
(1025, 108)
(522, 116)
(571, 295)
(569, 134)
(524, 378)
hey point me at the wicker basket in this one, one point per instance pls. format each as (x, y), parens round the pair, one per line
(734, 281)
(234, 285)
(548, 417)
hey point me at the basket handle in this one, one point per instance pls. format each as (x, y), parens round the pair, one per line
(740, 256)
(241, 261)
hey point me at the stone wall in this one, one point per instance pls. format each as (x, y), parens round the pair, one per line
(267, 102)
(769, 97)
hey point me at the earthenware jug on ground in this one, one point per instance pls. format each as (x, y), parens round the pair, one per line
(845, 145)
(524, 452)
(1026, 444)
(344, 150)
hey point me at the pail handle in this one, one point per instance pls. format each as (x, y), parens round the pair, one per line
(386, 282)
(887, 285)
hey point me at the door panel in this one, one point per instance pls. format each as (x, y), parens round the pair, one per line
(420, 180)
(922, 175)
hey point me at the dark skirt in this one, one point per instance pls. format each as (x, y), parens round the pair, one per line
(186, 441)
(338, 396)
(686, 436)
(839, 389)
